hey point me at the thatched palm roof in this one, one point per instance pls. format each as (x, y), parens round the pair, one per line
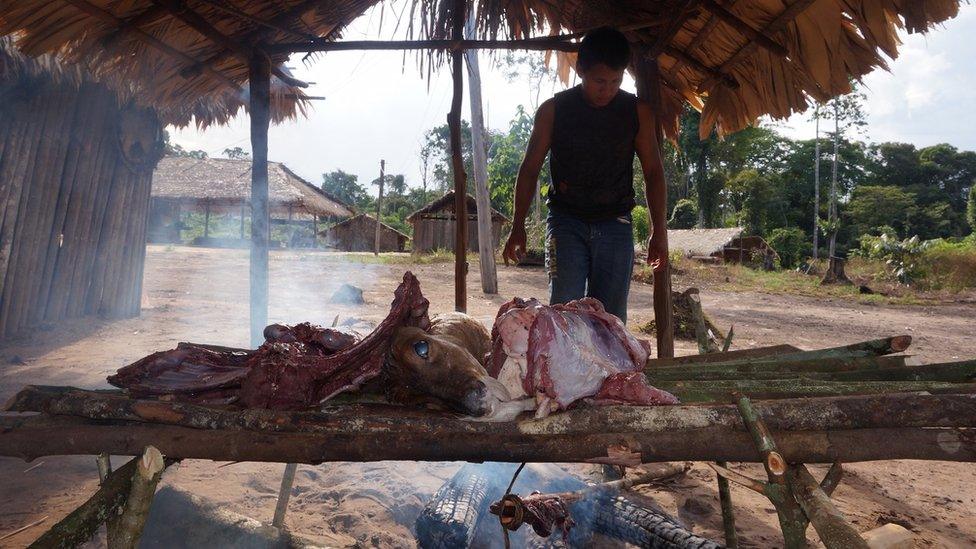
(701, 242)
(734, 59)
(225, 182)
(445, 204)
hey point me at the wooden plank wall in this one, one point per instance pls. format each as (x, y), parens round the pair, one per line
(431, 234)
(75, 176)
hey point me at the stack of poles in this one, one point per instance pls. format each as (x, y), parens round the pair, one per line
(72, 210)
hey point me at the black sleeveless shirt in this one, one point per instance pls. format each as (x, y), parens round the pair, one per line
(591, 157)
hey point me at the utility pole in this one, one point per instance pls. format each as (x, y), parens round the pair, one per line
(379, 208)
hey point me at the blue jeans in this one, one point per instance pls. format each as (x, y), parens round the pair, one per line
(592, 259)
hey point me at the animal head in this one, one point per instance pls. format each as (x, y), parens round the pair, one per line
(438, 367)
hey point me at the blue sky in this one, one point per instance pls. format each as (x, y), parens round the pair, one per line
(376, 106)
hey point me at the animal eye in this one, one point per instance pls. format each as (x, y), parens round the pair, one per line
(421, 348)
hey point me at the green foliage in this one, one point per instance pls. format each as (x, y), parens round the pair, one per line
(642, 224)
(872, 206)
(751, 195)
(346, 188)
(950, 265)
(901, 256)
(684, 215)
(508, 149)
(791, 244)
(237, 153)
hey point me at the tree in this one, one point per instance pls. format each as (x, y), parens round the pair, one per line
(506, 156)
(346, 188)
(790, 244)
(750, 195)
(847, 113)
(518, 66)
(237, 153)
(684, 215)
(437, 143)
(173, 149)
(971, 209)
(873, 206)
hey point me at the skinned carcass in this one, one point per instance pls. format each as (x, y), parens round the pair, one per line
(563, 353)
(297, 366)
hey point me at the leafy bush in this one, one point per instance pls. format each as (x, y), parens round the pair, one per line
(642, 224)
(684, 215)
(901, 256)
(950, 265)
(791, 245)
(971, 209)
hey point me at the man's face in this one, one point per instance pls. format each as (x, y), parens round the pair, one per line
(601, 84)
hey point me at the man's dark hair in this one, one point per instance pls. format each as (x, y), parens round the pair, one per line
(604, 45)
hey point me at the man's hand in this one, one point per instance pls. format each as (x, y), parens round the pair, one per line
(657, 253)
(515, 246)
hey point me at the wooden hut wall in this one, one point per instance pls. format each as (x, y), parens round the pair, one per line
(437, 232)
(358, 235)
(75, 175)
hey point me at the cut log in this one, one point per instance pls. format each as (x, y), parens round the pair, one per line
(835, 272)
(776, 368)
(149, 468)
(808, 414)
(834, 529)
(365, 438)
(758, 352)
(771, 389)
(80, 525)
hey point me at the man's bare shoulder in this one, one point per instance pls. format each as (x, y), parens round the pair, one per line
(547, 108)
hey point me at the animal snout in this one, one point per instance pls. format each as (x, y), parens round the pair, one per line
(475, 401)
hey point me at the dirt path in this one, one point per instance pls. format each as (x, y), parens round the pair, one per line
(201, 295)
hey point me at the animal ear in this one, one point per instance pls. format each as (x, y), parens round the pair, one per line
(422, 348)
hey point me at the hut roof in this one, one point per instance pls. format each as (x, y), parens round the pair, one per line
(701, 241)
(228, 181)
(734, 60)
(446, 203)
(359, 218)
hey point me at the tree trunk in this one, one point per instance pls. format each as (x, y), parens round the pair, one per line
(149, 468)
(486, 247)
(833, 187)
(366, 438)
(835, 267)
(379, 209)
(457, 165)
(816, 183)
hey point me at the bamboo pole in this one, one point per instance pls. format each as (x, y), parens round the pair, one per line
(420, 440)
(479, 159)
(259, 77)
(138, 238)
(457, 165)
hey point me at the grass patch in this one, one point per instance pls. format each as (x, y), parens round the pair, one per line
(437, 256)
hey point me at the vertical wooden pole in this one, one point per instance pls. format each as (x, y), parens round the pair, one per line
(206, 219)
(284, 494)
(457, 163)
(259, 76)
(649, 89)
(486, 244)
(379, 208)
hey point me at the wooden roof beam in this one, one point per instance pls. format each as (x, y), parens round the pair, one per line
(755, 36)
(98, 13)
(558, 43)
(270, 25)
(774, 26)
(709, 72)
(151, 15)
(194, 20)
(673, 28)
(250, 38)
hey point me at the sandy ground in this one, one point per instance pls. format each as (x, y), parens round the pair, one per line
(201, 295)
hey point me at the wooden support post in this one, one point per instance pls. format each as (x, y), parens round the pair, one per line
(479, 159)
(284, 494)
(792, 521)
(728, 514)
(149, 468)
(206, 219)
(379, 208)
(649, 88)
(104, 467)
(834, 529)
(259, 76)
(457, 164)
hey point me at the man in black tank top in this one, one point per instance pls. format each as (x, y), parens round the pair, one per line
(592, 132)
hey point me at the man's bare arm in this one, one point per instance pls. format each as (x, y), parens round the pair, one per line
(527, 180)
(655, 188)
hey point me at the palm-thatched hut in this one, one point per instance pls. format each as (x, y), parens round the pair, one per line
(434, 225)
(721, 245)
(223, 185)
(75, 168)
(358, 234)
